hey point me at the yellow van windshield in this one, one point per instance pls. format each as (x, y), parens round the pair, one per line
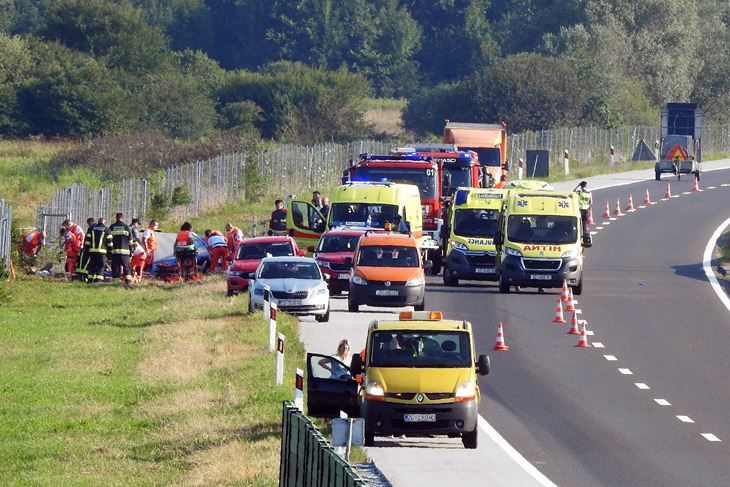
(372, 215)
(544, 229)
(422, 348)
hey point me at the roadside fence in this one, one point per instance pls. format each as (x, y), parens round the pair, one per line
(6, 220)
(307, 459)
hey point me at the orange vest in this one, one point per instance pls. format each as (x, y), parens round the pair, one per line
(72, 244)
(35, 241)
(151, 240)
(183, 239)
(233, 236)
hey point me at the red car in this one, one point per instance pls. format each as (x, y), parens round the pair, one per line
(249, 254)
(330, 253)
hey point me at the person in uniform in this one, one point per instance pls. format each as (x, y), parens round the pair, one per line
(277, 222)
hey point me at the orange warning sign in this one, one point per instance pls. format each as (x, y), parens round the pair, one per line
(677, 152)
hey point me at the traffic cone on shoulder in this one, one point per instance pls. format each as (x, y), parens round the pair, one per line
(565, 294)
(668, 193)
(696, 187)
(583, 339)
(630, 206)
(647, 198)
(571, 301)
(589, 220)
(559, 313)
(573, 325)
(606, 211)
(617, 210)
(499, 344)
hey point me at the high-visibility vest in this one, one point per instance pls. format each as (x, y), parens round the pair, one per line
(586, 198)
(233, 236)
(151, 243)
(184, 241)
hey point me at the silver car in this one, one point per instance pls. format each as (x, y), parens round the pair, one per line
(297, 287)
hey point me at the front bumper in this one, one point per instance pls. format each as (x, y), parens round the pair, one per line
(515, 273)
(395, 295)
(315, 305)
(478, 266)
(388, 418)
(237, 284)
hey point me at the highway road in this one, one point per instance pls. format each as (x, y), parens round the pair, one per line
(646, 408)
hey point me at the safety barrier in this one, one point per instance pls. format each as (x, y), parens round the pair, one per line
(307, 459)
(6, 219)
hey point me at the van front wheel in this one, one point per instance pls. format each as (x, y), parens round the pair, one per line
(470, 439)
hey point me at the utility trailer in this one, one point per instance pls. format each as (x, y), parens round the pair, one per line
(681, 149)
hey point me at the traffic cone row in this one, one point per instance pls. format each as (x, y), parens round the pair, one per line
(617, 211)
(606, 211)
(499, 344)
(583, 339)
(565, 294)
(571, 301)
(559, 313)
(647, 198)
(630, 206)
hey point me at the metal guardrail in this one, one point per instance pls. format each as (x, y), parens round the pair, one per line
(307, 459)
(6, 220)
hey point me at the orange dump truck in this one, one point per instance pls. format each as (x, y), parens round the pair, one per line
(488, 140)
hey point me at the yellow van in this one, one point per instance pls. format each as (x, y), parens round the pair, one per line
(358, 205)
(473, 220)
(540, 241)
(419, 377)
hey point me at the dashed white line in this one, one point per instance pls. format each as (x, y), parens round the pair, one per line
(614, 218)
(610, 358)
(687, 192)
(662, 402)
(642, 386)
(710, 437)
(676, 195)
(589, 333)
(711, 187)
(598, 345)
(653, 203)
(642, 206)
(725, 184)
(626, 371)
(599, 228)
(594, 233)
(684, 419)
(606, 223)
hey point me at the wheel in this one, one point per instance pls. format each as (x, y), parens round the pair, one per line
(323, 318)
(436, 263)
(352, 307)
(657, 175)
(578, 290)
(420, 306)
(470, 439)
(449, 278)
(369, 438)
(503, 285)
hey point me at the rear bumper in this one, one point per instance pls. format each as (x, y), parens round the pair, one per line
(372, 295)
(388, 418)
(512, 270)
(684, 167)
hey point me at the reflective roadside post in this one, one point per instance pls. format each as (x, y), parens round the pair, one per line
(612, 153)
(267, 301)
(299, 390)
(566, 162)
(272, 326)
(280, 360)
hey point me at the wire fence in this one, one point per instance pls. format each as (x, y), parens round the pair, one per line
(6, 221)
(286, 169)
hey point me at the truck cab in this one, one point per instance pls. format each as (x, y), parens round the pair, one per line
(540, 241)
(473, 221)
(417, 376)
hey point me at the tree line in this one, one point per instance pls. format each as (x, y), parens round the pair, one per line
(301, 70)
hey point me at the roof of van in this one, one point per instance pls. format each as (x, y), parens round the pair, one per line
(388, 239)
(386, 193)
(418, 325)
(536, 202)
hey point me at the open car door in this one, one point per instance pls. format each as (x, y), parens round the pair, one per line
(305, 223)
(330, 387)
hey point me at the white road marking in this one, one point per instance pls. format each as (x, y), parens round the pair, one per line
(642, 206)
(606, 223)
(684, 419)
(711, 187)
(653, 203)
(514, 454)
(594, 233)
(589, 333)
(710, 437)
(687, 192)
(610, 358)
(626, 371)
(662, 402)
(614, 218)
(599, 228)
(598, 345)
(676, 195)
(641, 385)
(724, 184)
(707, 264)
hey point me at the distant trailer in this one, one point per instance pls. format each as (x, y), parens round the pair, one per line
(681, 149)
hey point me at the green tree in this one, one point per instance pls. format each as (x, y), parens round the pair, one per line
(16, 66)
(426, 110)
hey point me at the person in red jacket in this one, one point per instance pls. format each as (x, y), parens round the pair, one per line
(233, 236)
(32, 242)
(72, 246)
(218, 250)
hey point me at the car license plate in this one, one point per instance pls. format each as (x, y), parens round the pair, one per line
(289, 302)
(386, 292)
(419, 418)
(541, 277)
(343, 276)
(485, 270)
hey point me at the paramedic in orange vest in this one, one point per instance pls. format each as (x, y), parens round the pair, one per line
(218, 250)
(32, 242)
(149, 242)
(185, 251)
(72, 246)
(137, 262)
(233, 236)
(75, 228)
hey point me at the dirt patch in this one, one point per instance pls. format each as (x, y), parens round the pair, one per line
(184, 401)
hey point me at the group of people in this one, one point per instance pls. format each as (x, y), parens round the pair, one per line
(277, 222)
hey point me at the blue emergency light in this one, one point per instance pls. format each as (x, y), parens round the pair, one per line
(408, 157)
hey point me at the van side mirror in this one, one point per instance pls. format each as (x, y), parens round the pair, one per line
(482, 365)
(587, 241)
(348, 262)
(356, 366)
(498, 238)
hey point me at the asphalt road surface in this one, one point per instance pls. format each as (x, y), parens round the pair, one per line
(646, 405)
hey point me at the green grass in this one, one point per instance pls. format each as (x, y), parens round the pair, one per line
(154, 385)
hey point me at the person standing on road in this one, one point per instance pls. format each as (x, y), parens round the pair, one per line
(121, 249)
(586, 200)
(96, 243)
(277, 222)
(149, 242)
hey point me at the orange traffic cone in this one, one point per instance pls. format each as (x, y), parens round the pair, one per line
(565, 294)
(606, 211)
(668, 193)
(589, 220)
(559, 313)
(696, 187)
(583, 340)
(647, 198)
(617, 211)
(499, 344)
(630, 206)
(573, 325)
(571, 301)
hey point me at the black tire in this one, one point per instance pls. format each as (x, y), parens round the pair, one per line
(323, 318)
(420, 306)
(449, 278)
(503, 285)
(578, 290)
(352, 307)
(657, 175)
(369, 438)
(470, 439)
(436, 263)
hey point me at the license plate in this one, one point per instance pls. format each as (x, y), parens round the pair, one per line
(386, 292)
(541, 277)
(419, 418)
(289, 302)
(485, 270)
(343, 276)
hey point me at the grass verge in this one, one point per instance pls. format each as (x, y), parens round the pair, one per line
(153, 385)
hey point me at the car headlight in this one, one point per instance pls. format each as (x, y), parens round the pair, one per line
(359, 280)
(321, 290)
(570, 253)
(459, 246)
(515, 252)
(417, 281)
(465, 391)
(374, 391)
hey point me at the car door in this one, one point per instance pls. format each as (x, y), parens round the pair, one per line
(305, 223)
(330, 387)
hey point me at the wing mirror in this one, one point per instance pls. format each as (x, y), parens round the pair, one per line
(482, 365)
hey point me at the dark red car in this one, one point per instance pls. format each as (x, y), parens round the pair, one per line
(330, 253)
(249, 254)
